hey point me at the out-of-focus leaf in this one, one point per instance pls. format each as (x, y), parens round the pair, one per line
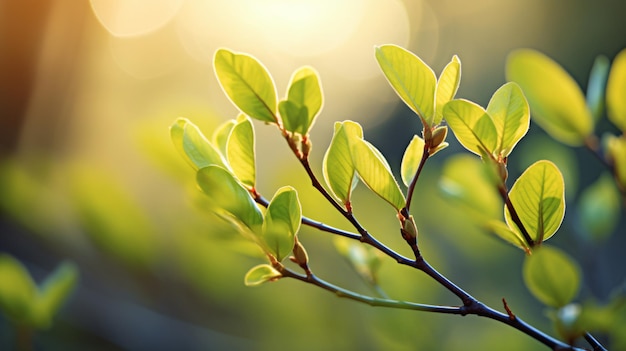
(247, 83)
(240, 151)
(447, 85)
(502, 230)
(365, 260)
(616, 92)
(282, 222)
(338, 169)
(411, 159)
(472, 125)
(17, 290)
(509, 111)
(599, 208)
(230, 197)
(412, 79)
(596, 86)
(375, 172)
(463, 180)
(54, 292)
(538, 196)
(616, 149)
(557, 103)
(304, 99)
(551, 276)
(260, 274)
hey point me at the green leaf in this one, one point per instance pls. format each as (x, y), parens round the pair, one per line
(17, 291)
(597, 86)
(260, 274)
(221, 133)
(502, 230)
(240, 151)
(247, 83)
(509, 111)
(551, 276)
(304, 101)
(365, 260)
(232, 201)
(616, 92)
(538, 196)
(196, 149)
(412, 79)
(54, 292)
(599, 208)
(463, 180)
(374, 171)
(338, 169)
(282, 222)
(411, 159)
(556, 100)
(616, 149)
(472, 125)
(447, 85)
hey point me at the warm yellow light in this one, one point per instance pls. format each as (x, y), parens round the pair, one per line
(123, 18)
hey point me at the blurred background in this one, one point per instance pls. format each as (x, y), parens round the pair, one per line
(88, 174)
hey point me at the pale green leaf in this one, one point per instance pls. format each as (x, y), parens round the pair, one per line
(304, 101)
(502, 230)
(599, 208)
(54, 291)
(447, 85)
(411, 159)
(551, 276)
(472, 125)
(260, 274)
(365, 260)
(247, 83)
(17, 290)
(240, 151)
(538, 196)
(221, 133)
(338, 169)
(412, 79)
(556, 101)
(463, 180)
(375, 172)
(282, 222)
(616, 92)
(616, 149)
(596, 87)
(509, 111)
(196, 149)
(230, 198)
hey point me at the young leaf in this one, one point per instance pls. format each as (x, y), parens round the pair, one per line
(17, 291)
(304, 101)
(471, 125)
(196, 149)
(502, 230)
(221, 133)
(556, 100)
(412, 79)
(240, 151)
(597, 86)
(551, 276)
(411, 159)
(247, 83)
(616, 91)
(509, 111)
(616, 149)
(599, 208)
(375, 172)
(538, 196)
(282, 222)
(338, 168)
(447, 85)
(364, 259)
(260, 274)
(54, 291)
(229, 197)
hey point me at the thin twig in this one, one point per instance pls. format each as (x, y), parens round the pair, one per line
(594, 343)
(514, 216)
(411, 189)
